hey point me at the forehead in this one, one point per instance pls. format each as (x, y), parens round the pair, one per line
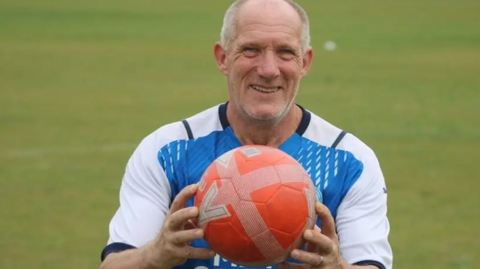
(268, 21)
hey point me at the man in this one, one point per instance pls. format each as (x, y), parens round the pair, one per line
(264, 52)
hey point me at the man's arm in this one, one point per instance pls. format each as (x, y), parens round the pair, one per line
(323, 250)
(149, 231)
(144, 203)
(362, 224)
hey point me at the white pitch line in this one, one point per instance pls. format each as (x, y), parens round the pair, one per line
(41, 152)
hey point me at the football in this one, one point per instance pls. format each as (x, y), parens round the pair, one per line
(255, 202)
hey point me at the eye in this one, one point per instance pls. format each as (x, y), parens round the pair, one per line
(287, 54)
(250, 51)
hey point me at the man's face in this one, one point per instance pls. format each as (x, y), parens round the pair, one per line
(265, 62)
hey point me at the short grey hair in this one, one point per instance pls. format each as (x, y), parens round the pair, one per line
(227, 33)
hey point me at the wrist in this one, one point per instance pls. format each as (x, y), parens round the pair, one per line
(344, 264)
(152, 258)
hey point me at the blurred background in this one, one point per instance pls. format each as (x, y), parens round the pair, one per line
(82, 82)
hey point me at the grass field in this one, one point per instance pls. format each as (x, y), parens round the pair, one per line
(82, 82)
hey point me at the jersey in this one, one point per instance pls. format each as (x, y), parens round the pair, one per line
(345, 171)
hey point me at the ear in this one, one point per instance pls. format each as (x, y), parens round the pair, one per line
(307, 61)
(220, 58)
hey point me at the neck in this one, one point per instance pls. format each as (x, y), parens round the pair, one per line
(264, 132)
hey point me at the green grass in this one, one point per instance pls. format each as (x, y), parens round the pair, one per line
(82, 82)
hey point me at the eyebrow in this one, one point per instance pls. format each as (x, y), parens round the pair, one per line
(249, 44)
(282, 44)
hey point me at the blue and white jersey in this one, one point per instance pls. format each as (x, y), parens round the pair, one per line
(347, 177)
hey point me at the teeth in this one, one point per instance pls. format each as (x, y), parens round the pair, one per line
(262, 89)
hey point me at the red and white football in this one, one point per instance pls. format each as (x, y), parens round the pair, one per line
(255, 202)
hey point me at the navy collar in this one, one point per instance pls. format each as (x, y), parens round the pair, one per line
(302, 127)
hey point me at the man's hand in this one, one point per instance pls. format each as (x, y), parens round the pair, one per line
(172, 245)
(322, 246)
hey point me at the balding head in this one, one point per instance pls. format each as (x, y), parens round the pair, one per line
(275, 8)
(264, 53)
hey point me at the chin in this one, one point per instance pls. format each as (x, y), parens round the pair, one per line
(264, 117)
(265, 114)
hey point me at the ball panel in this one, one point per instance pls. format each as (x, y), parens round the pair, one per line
(298, 233)
(263, 210)
(233, 245)
(264, 194)
(289, 208)
(302, 227)
(269, 246)
(283, 238)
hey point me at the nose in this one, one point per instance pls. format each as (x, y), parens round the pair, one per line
(268, 67)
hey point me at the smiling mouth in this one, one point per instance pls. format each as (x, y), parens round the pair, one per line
(265, 89)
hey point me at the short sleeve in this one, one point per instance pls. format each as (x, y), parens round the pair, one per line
(145, 197)
(362, 222)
